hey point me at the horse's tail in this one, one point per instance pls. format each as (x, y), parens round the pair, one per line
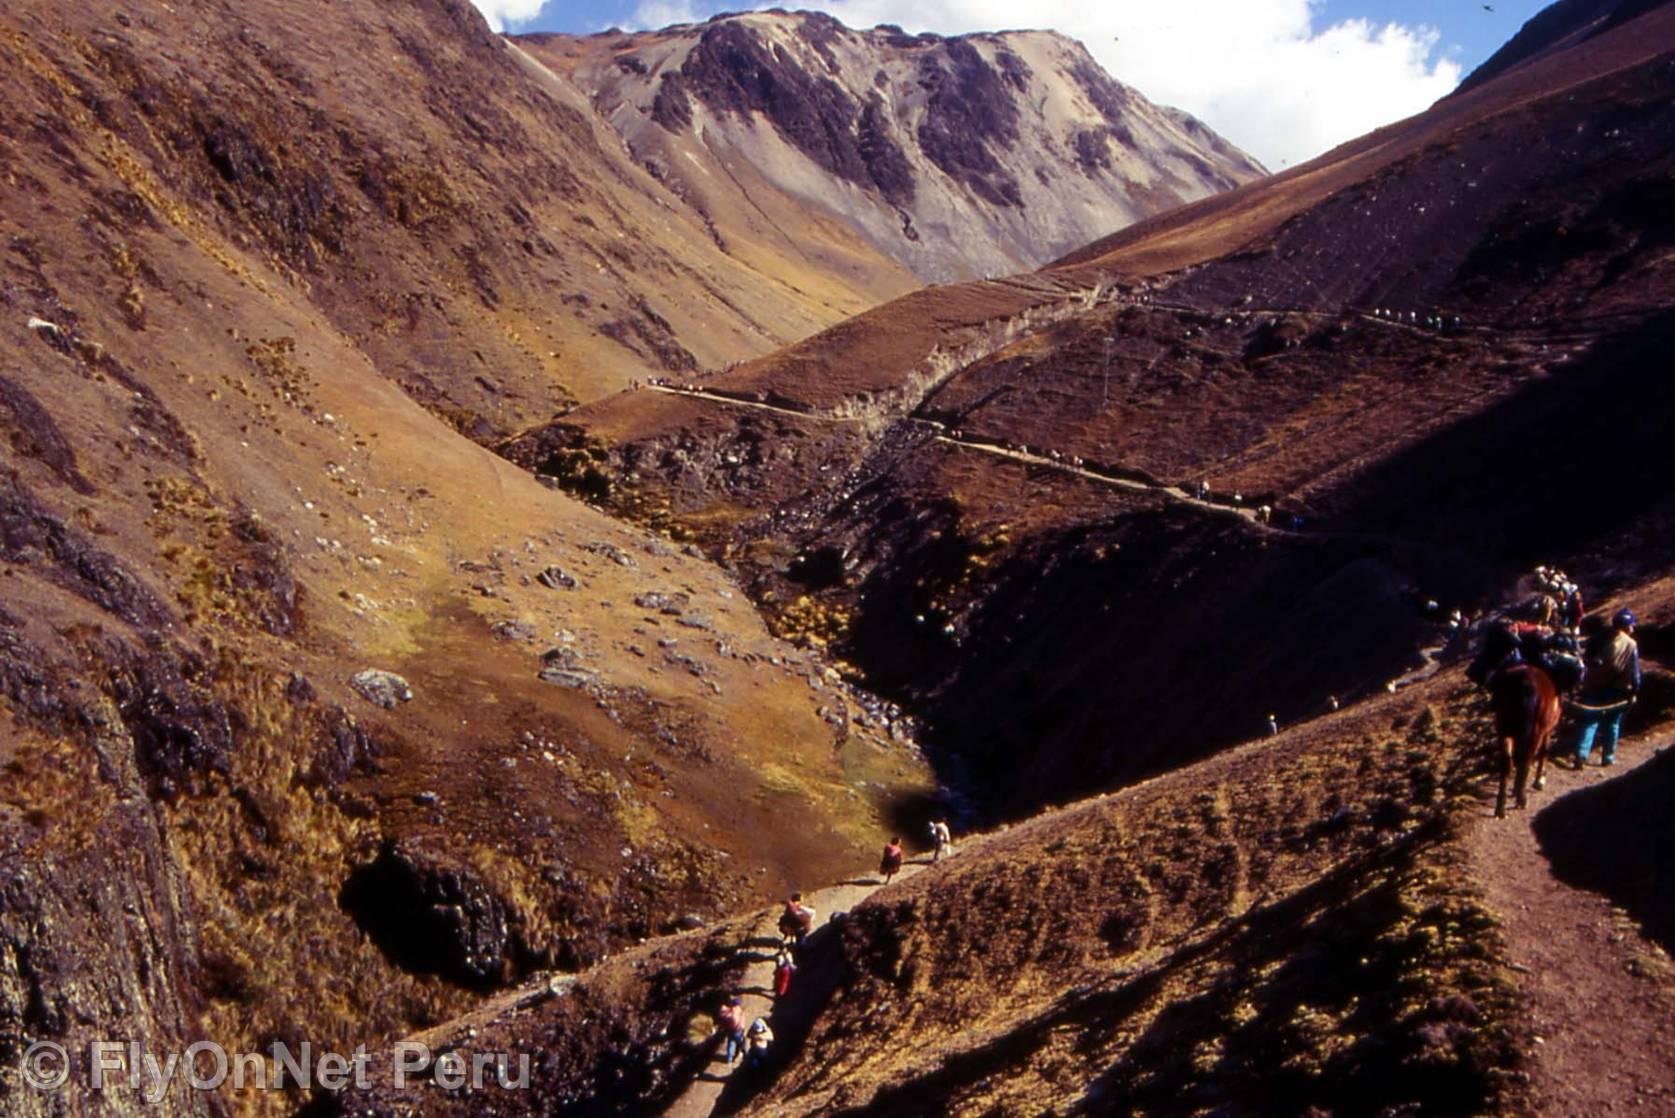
(1517, 696)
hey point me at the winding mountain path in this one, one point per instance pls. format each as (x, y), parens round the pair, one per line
(703, 1096)
(1602, 996)
(1060, 463)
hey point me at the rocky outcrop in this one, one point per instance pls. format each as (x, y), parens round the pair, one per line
(957, 157)
(381, 688)
(435, 918)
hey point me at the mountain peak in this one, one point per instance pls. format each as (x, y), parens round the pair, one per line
(954, 156)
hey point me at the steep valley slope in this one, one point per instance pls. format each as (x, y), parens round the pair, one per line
(320, 718)
(1284, 929)
(1098, 520)
(323, 720)
(1298, 926)
(452, 206)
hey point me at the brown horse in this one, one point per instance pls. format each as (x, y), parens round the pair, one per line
(1526, 706)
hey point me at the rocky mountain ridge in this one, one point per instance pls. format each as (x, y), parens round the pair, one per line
(957, 157)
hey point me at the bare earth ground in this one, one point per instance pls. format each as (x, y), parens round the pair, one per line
(1602, 995)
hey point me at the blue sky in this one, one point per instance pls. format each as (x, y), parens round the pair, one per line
(1285, 79)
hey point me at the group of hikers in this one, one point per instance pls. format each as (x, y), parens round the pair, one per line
(752, 1043)
(1599, 674)
(942, 842)
(796, 922)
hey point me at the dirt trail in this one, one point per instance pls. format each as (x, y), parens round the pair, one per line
(1047, 460)
(1605, 1018)
(701, 1099)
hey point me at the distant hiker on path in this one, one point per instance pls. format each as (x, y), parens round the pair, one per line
(942, 840)
(796, 921)
(890, 863)
(1612, 682)
(785, 968)
(730, 1019)
(756, 1044)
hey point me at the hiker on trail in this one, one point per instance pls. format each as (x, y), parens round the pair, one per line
(756, 1044)
(797, 921)
(1572, 611)
(942, 840)
(730, 1020)
(1612, 682)
(1542, 610)
(890, 864)
(1273, 725)
(785, 967)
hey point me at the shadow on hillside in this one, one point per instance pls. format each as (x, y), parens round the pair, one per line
(907, 815)
(1555, 467)
(1615, 838)
(1106, 653)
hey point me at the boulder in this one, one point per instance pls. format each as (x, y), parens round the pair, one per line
(511, 629)
(555, 578)
(381, 688)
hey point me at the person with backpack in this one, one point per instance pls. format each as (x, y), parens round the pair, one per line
(1611, 683)
(890, 863)
(941, 839)
(1572, 611)
(785, 968)
(757, 1041)
(730, 1020)
(797, 921)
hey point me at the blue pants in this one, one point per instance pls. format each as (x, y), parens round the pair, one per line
(735, 1045)
(1606, 724)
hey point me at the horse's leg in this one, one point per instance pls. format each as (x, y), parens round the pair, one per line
(1522, 760)
(1547, 722)
(1506, 771)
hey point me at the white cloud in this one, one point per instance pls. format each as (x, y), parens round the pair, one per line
(503, 13)
(652, 14)
(1264, 73)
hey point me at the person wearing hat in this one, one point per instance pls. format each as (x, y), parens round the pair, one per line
(757, 1042)
(730, 1019)
(1611, 684)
